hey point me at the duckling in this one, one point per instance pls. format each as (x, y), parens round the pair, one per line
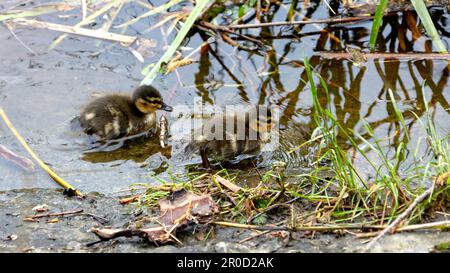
(232, 142)
(116, 116)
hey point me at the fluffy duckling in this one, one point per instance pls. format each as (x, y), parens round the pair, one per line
(116, 116)
(233, 141)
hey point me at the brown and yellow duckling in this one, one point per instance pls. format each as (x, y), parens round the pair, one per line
(232, 142)
(116, 116)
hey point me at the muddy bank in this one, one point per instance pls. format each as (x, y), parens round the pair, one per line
(71, 233)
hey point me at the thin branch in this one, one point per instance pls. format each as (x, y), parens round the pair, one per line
(98, 34)
(54, 214)
(9, 27)
(415, 56)
(294, 23)
(229, 31)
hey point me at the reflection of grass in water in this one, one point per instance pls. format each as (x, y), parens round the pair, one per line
(389, 191)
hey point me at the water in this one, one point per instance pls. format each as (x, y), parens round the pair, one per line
(41, 93)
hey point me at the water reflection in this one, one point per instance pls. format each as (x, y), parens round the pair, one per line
(229, 75)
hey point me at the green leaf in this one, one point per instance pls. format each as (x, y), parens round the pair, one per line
(427, 23)
(377, 23)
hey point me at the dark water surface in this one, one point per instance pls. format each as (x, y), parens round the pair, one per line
(42, 92)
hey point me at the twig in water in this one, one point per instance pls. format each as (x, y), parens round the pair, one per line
(99, 34)
(229, 31)
(50, 172)
(9, 27)
(293, 23)
(413, 56)
(83, 9)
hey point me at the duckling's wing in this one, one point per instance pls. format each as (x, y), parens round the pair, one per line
(106, 118)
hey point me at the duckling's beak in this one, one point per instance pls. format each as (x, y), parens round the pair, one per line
(166, 107)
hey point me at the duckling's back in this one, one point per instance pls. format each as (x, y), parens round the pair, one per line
(107, 117)
(230, 144)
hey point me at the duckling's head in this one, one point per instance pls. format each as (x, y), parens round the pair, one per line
(148, 100)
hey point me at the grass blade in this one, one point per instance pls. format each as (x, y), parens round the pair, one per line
(377, 23)
(427, 23)
(196, 11)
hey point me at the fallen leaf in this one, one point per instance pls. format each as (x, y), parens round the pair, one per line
(183, 204)
(52, 221)
(178, 61)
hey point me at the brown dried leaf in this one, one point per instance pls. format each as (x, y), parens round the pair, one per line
(440, 181)
(226, 183)
(128, 200)
(183, 205)
(178, 61)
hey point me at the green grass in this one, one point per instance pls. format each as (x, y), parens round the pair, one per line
(427, 23)
(425, 19)
(395, 182)
(150, 75)
(377, 23)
